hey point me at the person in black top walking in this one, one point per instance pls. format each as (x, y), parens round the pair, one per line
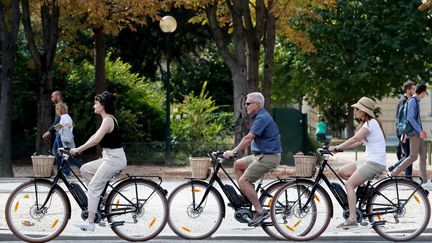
(98, 172)
(404, 144)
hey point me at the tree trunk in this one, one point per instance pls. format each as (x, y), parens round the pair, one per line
(253, 65)
(241, 119)
(50, 14)
(269, 46)
(100, 53)
(8, 43)
(350, 120)
(44, 108)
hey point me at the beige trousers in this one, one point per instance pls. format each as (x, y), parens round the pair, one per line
(98, 172)
(417, 147)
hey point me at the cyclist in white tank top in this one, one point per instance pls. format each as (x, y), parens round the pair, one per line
(370, 134)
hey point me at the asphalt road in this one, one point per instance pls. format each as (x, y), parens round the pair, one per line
(230, 230)
(222, 239)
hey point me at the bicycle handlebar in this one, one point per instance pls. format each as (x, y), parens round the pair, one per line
(324, 150)
(64, 150)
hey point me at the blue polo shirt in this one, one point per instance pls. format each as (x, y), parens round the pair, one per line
(267, 140)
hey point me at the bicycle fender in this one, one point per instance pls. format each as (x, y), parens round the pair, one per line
(156, 185)
(398, 178)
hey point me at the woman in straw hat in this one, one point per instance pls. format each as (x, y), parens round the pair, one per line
(371, 134)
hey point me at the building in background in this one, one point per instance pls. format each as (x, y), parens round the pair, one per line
(387, 116)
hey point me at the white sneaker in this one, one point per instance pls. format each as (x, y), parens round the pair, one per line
(86, 226)
(427, 185)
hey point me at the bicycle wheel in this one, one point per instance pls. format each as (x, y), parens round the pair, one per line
(296, 220)
(149, 208)
(190, 222)
(266, 200)
(412, 210)
(31, 223)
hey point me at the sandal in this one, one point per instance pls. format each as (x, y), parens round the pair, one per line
(347, 225)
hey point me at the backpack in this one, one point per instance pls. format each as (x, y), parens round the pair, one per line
(403, 126)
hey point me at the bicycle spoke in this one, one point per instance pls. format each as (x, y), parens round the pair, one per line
(189, 221)
(30, 224)
(297, 214)
(399, 214)
(145, 217)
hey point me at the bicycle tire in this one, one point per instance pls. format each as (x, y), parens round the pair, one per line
(23, 218)
(195, 224)
(408, 222)
(290, 221)
(266, 200)
(144, 223)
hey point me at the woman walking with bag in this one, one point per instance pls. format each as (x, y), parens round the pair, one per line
(64, 130)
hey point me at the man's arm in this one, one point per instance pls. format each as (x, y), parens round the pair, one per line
(411, 115)
(52, 129)
(244, 143)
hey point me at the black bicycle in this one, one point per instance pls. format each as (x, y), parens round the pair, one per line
(135, 208)
(397, 208)
(197, 208)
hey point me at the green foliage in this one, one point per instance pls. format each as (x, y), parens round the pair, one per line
(190, 71)
(139, 104)
(195, 121)
(284, 91)
(363, 48)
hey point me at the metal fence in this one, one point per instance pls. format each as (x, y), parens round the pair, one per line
(154, 152)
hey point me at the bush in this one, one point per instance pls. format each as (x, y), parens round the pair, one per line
(195, 121)
(139, 106)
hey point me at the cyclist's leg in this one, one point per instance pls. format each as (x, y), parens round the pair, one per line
(261, 165)
(241, 165)
(89, 169)
(347, 170)
(365, 170)
(355, 180)
(113, 160)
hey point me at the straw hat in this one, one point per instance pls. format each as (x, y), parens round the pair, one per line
(366, 105)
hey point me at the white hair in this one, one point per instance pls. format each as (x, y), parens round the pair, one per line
(257, 97)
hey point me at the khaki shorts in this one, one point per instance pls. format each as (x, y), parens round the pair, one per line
(260, 164)
(369, 169)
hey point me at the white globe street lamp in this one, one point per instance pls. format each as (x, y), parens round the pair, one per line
(168, 24)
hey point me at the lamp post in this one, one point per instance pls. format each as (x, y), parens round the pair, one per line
(168, 25)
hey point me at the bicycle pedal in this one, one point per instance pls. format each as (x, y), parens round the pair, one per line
(378, 223)
(268, 224)
(102, 224)
(117, 223)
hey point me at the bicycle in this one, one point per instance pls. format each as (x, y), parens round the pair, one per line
(197, 207)
(135, 208)
(396, 207)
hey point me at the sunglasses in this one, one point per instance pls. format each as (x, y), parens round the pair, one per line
(248, 103)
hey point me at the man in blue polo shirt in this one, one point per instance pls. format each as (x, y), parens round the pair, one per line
(264, 139)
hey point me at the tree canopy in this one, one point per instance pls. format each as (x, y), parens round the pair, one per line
(362, 48)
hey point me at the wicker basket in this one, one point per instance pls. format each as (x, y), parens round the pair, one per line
(200, 167)
(305, 165)
(42, 165)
